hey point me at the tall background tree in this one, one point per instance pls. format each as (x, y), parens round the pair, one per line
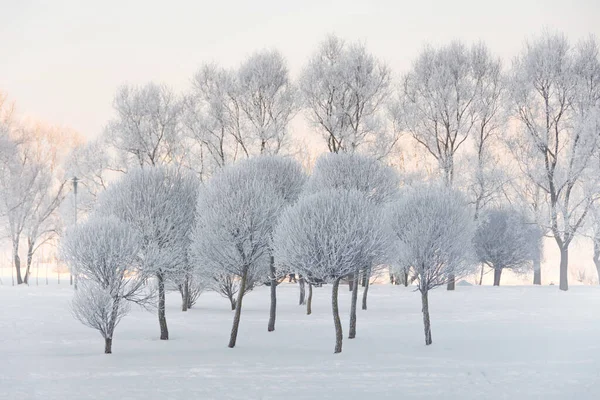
(555, 97)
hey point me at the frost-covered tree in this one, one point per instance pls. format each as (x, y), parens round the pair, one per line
(159, 204)
(326, 235)
(146, 129)
(345, 90)
(286, 178)
(268, 101)
(235, 114)
(212, 118)
(555, 99)
(378, 182)
(446, 92)
(32, 184)
(232, 237)
(105, 252)
(433, 230)
(450, 94)
(505, 239)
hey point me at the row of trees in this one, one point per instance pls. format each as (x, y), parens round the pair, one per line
(261, 219)
(527, 133)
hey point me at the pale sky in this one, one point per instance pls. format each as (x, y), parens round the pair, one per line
(61, 61)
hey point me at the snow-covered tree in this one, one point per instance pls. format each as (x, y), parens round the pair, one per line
(378, 182)
(286, 178)
(232, 237)
(159, 204)
(505, 239)
(433, 230)
(555, 99)
(447, 91)
(32, 184)
(105, 252)
(450, 94)
(146, 129)
(327, 235)
(268, 101)
(212, 118)
(345, 90)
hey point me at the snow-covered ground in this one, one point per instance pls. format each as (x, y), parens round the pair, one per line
(488, 343)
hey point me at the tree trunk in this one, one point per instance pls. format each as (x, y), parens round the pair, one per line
(336, 316)
(537, 267)
(273, 310)
(350, 282)
(185, 294)
(426, 321)
(309, 301)
(17, 261)
(405, 277)
(162, 319)
(597, 255)
(451, 282)
(232, 301)
(238, 310)
(365, 277)
(481, 274)
(302, 286)
(366, 286)
(108, 346)
(497, 275)
(30, 247)
(352, 330)
(564, 267)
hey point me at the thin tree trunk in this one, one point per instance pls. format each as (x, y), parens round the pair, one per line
(17, 261)
(426, 321)
(350, 282)
(537, 267)
(405, 277)
(481, 274)
(564, 267)
(451, 282)
(238, 310)
(232, 302)
(365, 277)
(497, 276)
(352, 330)
(301, 284)
(366, 289)
(309, 301)
(107, 346)
(162, 319)
(336, 316)
(597, 255)
(185, 294)
(30, 246)
(273, 309)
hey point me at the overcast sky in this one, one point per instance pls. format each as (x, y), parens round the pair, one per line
(61, 61)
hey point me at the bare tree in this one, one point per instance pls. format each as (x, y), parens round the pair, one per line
(345, 90)
(267, 99)
(377, 182)
(555, 94)
(213, 118)
(232, 237)
(433, 228)
(451, 93)
(146, 130)
(504, 240)
(106, 252)
(325, 235)
(159, 203)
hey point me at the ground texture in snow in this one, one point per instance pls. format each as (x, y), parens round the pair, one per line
(488, 342)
